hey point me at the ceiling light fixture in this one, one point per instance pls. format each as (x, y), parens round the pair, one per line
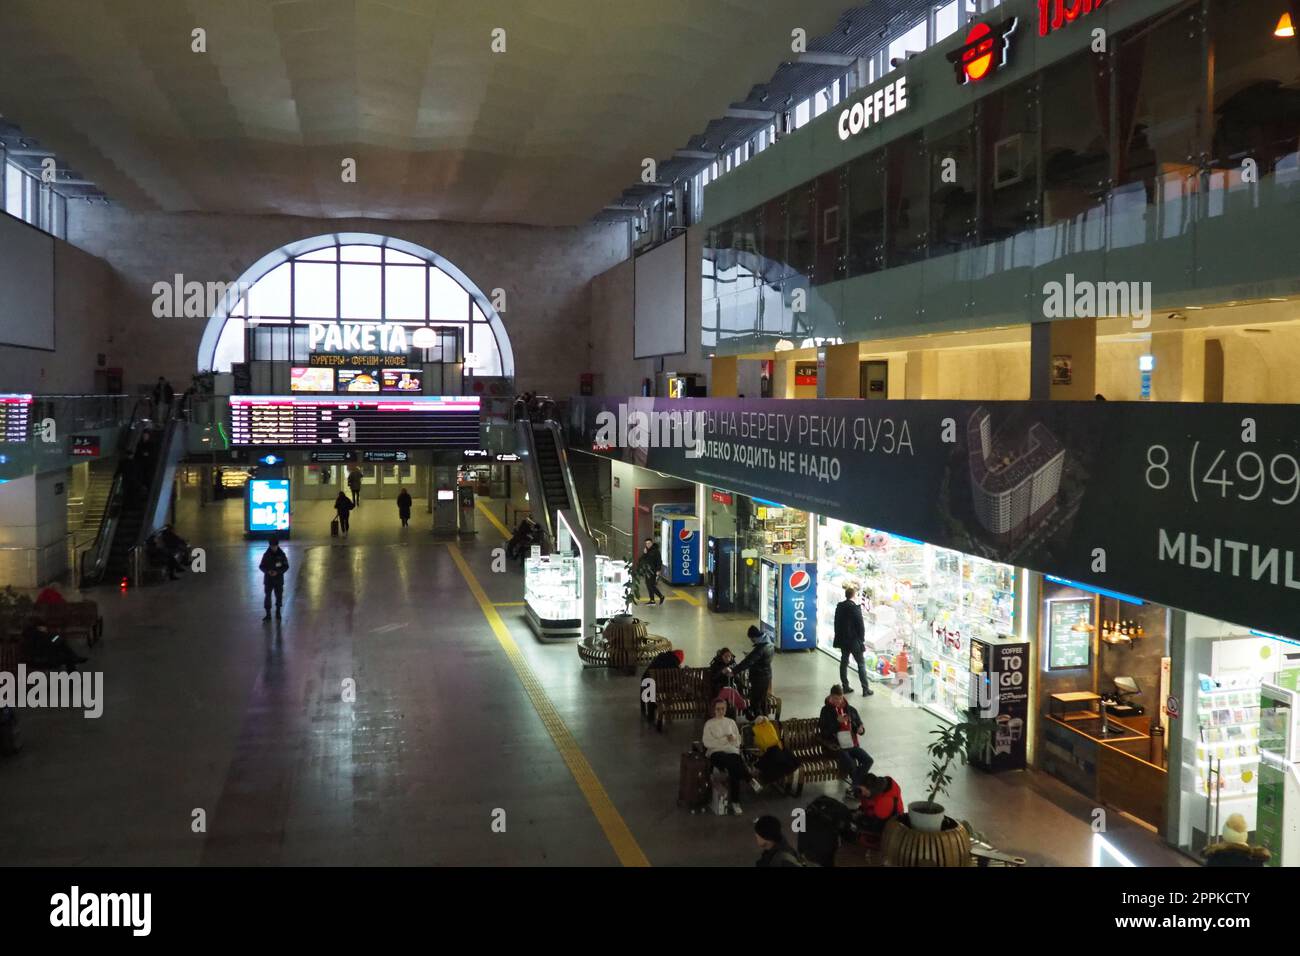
(1285, 28)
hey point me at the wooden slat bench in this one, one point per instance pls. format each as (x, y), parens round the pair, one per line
(681, 693)
(79, 618)
(802, 737)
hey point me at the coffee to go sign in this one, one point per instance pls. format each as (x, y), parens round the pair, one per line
(356, 337)
(886, 101)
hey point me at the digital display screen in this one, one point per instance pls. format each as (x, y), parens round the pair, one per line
(400, 380)
(268, 504)
(15, 416)
(311, 379)
(414, 421)
(353, 380)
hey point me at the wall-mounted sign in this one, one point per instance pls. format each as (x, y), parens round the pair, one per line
(354, 360)
(721, 497)
(313, 379)
(886, 101)
(511, 456)
(1062, 369)
(368, 337)
(984, 52)
(805, 373)
(85, 446)
(1054, 14)
(331, 457)
(477, 453)
(384, 456)
(1069, 633)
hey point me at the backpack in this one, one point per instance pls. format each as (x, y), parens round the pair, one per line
(765, 734)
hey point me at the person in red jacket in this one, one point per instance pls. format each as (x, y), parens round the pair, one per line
(51, 595)
(881, 801)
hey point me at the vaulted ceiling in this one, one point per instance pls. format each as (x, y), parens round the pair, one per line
(440, 126)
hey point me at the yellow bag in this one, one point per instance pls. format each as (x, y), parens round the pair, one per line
(765, 735)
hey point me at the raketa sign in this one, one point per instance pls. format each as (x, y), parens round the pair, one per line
(356, 337)
(1054, 14)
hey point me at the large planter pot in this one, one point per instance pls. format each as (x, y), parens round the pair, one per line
(623, 636)
(926, 816)
(903, 845)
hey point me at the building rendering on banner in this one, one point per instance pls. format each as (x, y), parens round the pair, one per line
(1014, 484)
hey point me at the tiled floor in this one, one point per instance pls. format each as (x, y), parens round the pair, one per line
(213, 717)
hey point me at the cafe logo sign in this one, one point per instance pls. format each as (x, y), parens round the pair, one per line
(984, 52)
(1054, 14)
(369, 337)
(886, 101)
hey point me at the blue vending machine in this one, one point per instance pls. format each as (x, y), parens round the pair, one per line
(679, 543)
(788, 602)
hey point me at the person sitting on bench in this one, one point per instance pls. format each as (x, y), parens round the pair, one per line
(881, 801)
(42, 649)
(721, 739)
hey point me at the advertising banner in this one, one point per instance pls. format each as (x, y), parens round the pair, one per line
(1193, 506)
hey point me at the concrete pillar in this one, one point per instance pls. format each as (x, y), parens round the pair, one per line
(1072, 341)
(33, 529)
(840, 373)
(722, 376)
(921, 378)
(1179, 375)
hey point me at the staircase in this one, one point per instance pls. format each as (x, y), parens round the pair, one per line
(90, 508)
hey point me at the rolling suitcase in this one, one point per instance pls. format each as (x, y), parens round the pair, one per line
(824, 823)
(694, 788)
(334, 528)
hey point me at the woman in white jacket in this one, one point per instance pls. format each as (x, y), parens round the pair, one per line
(721, 739)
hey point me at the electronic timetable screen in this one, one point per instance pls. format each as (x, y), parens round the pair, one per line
(415, 421)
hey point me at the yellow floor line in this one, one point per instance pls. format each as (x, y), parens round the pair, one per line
(616, 829)
(496, 522)
(688, 598)
(509, 603)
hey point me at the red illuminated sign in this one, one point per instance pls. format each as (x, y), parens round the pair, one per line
(721, 497)
(1054, 14)
(984, 52)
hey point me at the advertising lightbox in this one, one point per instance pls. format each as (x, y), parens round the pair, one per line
(268, 505)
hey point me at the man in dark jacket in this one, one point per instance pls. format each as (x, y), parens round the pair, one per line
(354, 486)
(404, 507)
(759, 664)
(851, 639)
(841, 731)
(649, 565)
(771, 840)
(273, 565)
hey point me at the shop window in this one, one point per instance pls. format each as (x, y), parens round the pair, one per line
(1008, 125)
(828, 222)
(951, 144)
(907, 201)
(1076, 138)
(866, 214)
(1256, 87)
(1159, 90)
(800, 242)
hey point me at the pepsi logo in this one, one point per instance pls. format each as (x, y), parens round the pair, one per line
(799, 581)
(685, 534)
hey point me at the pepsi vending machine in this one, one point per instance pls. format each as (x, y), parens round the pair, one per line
(788, 602)
(721, 566)
(679, 543)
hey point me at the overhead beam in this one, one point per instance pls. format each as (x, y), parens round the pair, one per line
(826, 59)
(738, 113)
(694, 154)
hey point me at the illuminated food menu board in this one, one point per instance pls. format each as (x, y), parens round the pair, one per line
(15, 415)
(414, 421)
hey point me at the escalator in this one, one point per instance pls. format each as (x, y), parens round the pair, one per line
(550, 480)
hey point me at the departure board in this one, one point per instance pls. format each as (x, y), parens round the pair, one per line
(16, 413)
(414, 421)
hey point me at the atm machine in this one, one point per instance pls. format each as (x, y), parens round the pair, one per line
(1278, 807)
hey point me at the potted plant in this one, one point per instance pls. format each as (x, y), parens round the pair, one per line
(956, 741)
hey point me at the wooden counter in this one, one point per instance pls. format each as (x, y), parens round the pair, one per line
(1113, 769)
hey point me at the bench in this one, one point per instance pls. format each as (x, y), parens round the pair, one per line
(802, 737)
(76, 618)
(681, 693)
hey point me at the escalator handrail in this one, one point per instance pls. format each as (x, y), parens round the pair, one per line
(128, 444)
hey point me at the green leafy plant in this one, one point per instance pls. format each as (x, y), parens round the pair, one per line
(955, 742)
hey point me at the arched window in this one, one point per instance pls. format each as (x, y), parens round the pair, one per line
(355, 278)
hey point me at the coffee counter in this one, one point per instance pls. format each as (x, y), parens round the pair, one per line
(1115, 768)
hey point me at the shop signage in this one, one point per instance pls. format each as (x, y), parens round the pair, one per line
(721, 497)
(367, 337)
(885, 101)
(1054, 14)
(984, 52)
(358, 360)
(85, 446)
(1000, 686)
(1188, 505)
(805, 373)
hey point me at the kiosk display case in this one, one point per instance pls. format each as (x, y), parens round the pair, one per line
(553, 593)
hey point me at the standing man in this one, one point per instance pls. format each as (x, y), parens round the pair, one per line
(354, 486)
(274, 563)
(851, 638)
(759, 664)
(652, 563)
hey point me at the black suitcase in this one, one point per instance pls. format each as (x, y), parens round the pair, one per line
(334, 528)
(694, 788)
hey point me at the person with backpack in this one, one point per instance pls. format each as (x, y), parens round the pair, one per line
(721, 739)
(273, 565)
(404, 506)
(759, 664)
(841, 732)
(851, 639)
(770, 838)
(343, 507)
